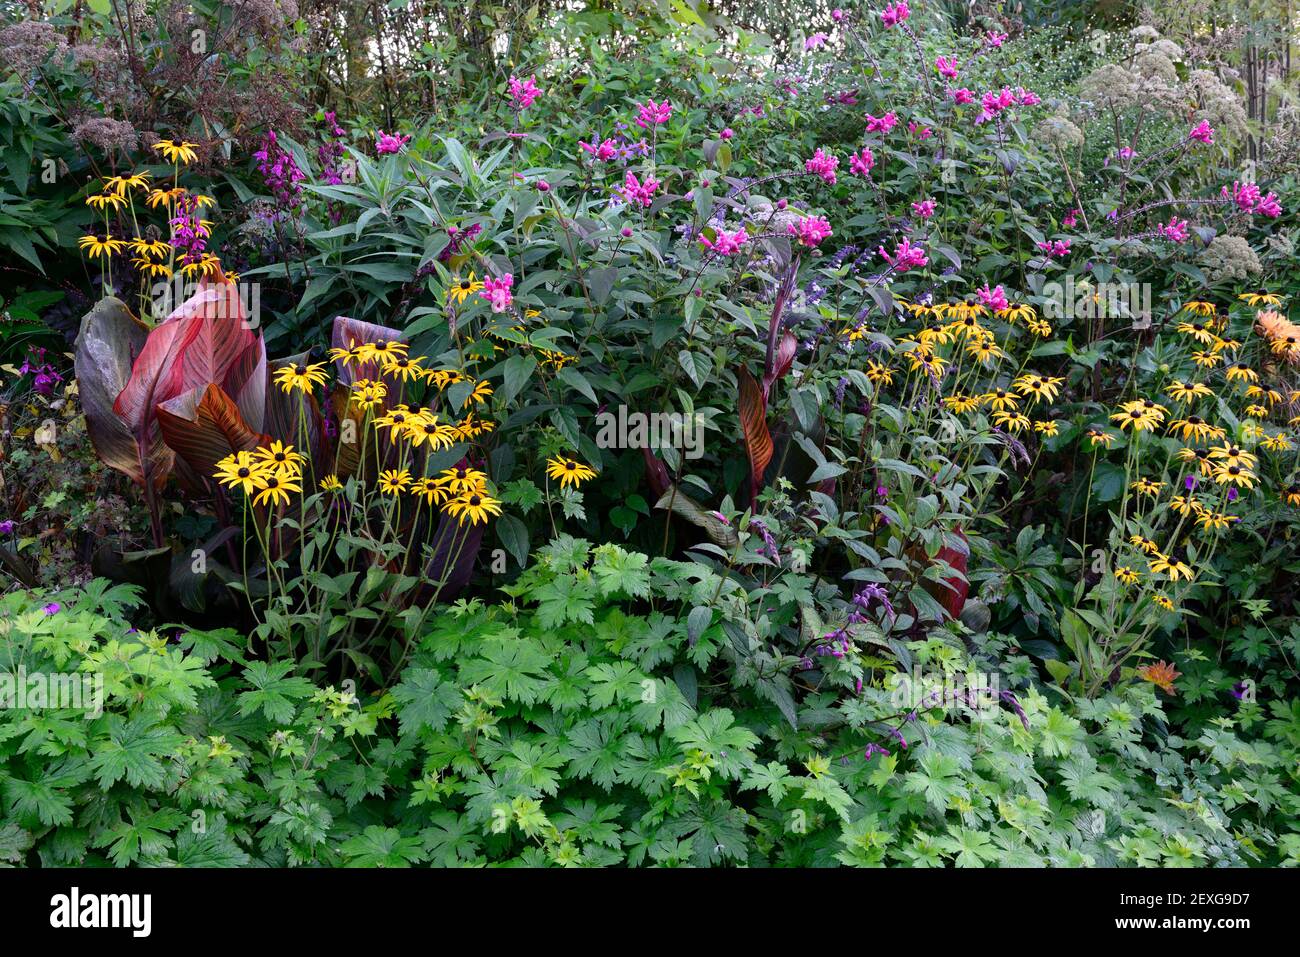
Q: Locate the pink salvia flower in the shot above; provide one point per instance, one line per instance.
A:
(824, 165)
(882, 124)
(861, 163)
(816, 41)
(1175, 229)
(1055, 249)
(651, 113)
(390, 142)
(905, 257)
(726, 244)
(1269, 206)
(995, 39)
(895, 14)
(1202, 132)
(1071, 218)
(604, 151)
(963, 96)
(995, 298)
(924, 209)
(947, 67)
(1245, 195)
(635, 191)
(524, 93)
(497, 291)
(810, 230)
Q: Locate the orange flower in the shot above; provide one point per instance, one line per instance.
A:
(1161, 674)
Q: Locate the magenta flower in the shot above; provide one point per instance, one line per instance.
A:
(1269, 206)
(604, 151)
(995, 103)
(1071, 218)
(524, 93)
(390, 142)
(1245, 195)
(727, 133)
(905, 257)
(963, 96)
(995, 298)
(837, 14)
(497, 292)
(922, 132)
(635, 191)
(1056, 249)
(824, 165)
(1202, 132)
(816, 41)
(651, 113)
(895, 14)
(995, 39)
(882, 124)
(924, 209)
(1175, 229)
(7, 527)
(861, 163)
(811, 230)
(53, 608)
(726, 244)
(947, 67)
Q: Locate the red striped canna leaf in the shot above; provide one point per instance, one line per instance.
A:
(753, 422)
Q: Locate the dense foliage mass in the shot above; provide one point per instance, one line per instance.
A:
(630, 437)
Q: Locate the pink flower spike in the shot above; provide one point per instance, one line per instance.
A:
(726, 244)
(651, 113)
(524, 93)
(1175, 229)
(905, 257)
(1071, 218)
(995, 298)
(947, 67)
(882, 124)
(995, 39)
(390, 142)
(823, 165)
(895, 14)
(861, 163)
(1202, 132)
(497, 291)
(816, 41)
(924, 209)
(963, 96)
(811, 230)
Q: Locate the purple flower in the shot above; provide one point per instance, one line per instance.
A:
(6, 527)
(52, 608)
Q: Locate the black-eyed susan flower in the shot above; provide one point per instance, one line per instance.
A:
(1144, 544)
(101, 201)
(1100, 437)
(1206, 360)
(1277, 442)
(1016, 313)
(1199, 307)
(1291, 494)
(430, 490)
(442, 378)
(1000, 400)
(1252, 431)
(1239, 371)
(1261, 298)
(984, 351)
(350, 355)
(152, 248)
(1234, 475)
(462, 479)
(240, 470)
(331, 483)
(368, 396)
(301, 376)
(1211, 521)
(275, 488)
(120, 184)
(95, 247)
(1134, 416)
(961, 403)
(1202, 332)
(472, 426)
(1163, 602)
(1181, 391)
(1162, 564)
(403, 367)
(1258, 411)
(394, 481)
(1039, 327)
(461, 289)
(177, 151)
(1186, 505)
(438, 435)
(1194, 427)
(568, 471)
(164, 197)
(1126, 575)
(474, 506)
(1234, 455)
(1039, 386)
(966, 309)
(383, 350)
(1048, 429)
(1011, 421)
(150, 269)
(398, 420)
(481, 392)
(878, 373)
(280, 457)
(1147, 487)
